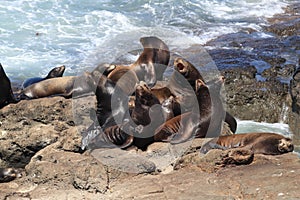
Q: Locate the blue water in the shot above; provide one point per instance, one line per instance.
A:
(39, 35)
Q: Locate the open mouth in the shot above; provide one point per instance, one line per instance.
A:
(180, 66)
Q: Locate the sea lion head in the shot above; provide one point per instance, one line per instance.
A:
(216, 85)
(56, 72)
(285, 145)
(104, 69)
(187, 69)
(144, 96)
(199, 85)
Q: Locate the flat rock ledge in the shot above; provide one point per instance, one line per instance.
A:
(42, 136)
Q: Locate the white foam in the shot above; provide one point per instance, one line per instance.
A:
(246, 126)
(79, 34)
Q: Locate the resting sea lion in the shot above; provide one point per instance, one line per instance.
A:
(55, 72)
(6, 94)
(150, 65)
(259, 143)
(63, 86)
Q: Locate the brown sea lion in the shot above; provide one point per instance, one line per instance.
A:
(112, 137)
(55, 72)
(56, 86)
(141, 116)
(259, 143)
(144, 99)
(67, 86)
(6, 94)
(150, 65)
(162, 93)
(231, 121)
(112, 101)
(207, 120)
(9, 174)
(190, 124)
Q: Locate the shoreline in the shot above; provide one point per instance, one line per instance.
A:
(43, 136)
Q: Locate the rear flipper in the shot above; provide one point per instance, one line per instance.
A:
(211, 144)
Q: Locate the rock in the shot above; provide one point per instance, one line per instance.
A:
(215, 159)
(124, 161)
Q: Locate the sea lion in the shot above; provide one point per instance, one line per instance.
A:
(231, 121)
(9, 174)
(55, 86)
(115, 136)
(259, 143)
(147, 115)
(66, 86)
(190, 124)
(294, 90)
(162, 93)
(144, 99)
(150, 65)
(196, 123)
(112, 101)
(55, 72)
(6, 94)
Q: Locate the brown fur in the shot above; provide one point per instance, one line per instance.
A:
(150, 65)
(6, 94)
(54, 86)
(188, 70)
(263, 143)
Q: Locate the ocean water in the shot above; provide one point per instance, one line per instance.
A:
(39, 35)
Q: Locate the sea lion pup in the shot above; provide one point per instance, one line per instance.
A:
(196, 123)
(144, 99)
(150, 65)
(55, 72)
(259, 143)
(9, 174)
(6, 94)
(147, 115)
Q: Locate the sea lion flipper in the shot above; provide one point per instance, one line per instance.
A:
(211, 144)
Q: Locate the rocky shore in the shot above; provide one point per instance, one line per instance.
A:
(42, 136)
